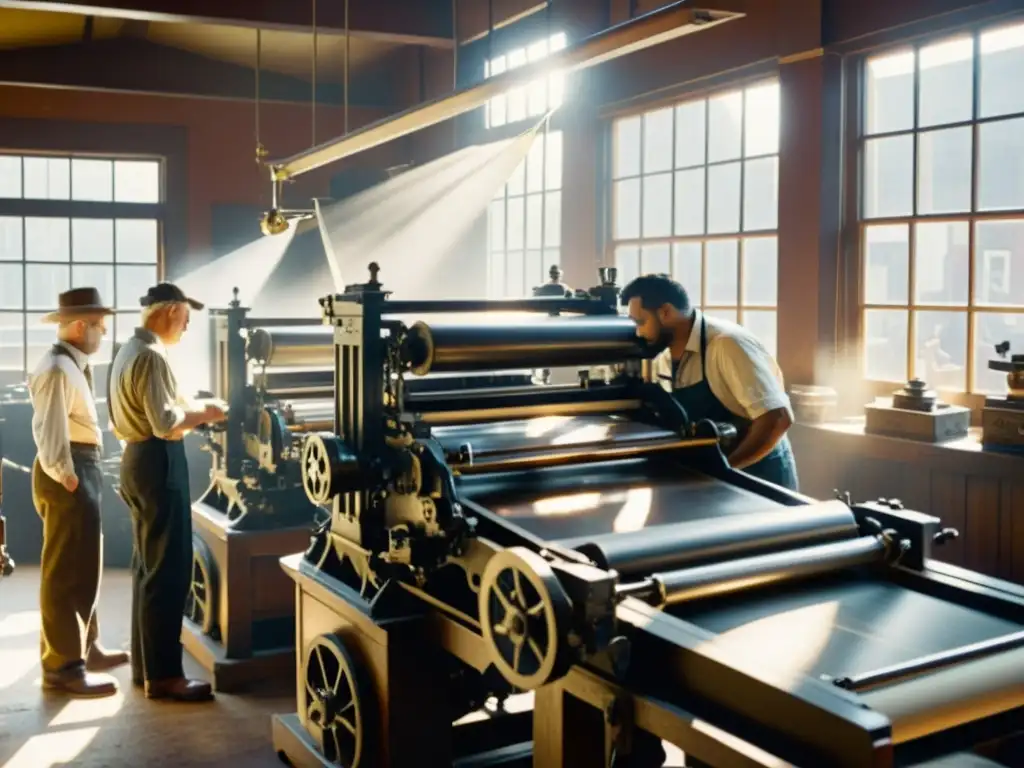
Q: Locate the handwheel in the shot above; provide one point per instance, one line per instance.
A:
(201, 603)
(316, 470)
(524, 614)
(336, 702)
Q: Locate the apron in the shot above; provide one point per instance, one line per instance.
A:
(778, 467)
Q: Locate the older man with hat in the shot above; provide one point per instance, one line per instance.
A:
(150, 415)
(67, 487)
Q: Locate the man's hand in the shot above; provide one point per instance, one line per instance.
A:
(70, 484)
(214, 414)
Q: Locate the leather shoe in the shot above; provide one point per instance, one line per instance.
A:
(179, 689)
(79, 683)
(100, 659)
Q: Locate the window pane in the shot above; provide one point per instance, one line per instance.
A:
(12, 341)
(132, 284)
(889, 93)
(728, 315)
(517, 181)
(497, 111)
(724, 198)
(690, 134)
(537, 97)
(10, 238)
(626, 199)
(689, 194)
(552, 257)
(760, 271)
(47, 178)
(761, 194)
(100, 277)
(656, 259)
(944, 171)
(889, 177)
(763, 324)
(657, 205)
(999, 263)
(516, 111)
(534, 221)
(516, 227)
(40, 337)
(887, 264)
(92, 180)
(125, 324)
(496, 225)
(627, 260)
(722, 266)
(885, 344)
(137, 181)
(535, 166)
(12, 279)
(941, 342)
(1001, 60)
(496, 275)
(43, 284)
(552, 219)
(515, 285)
(553, 160)
(686, 269)
(725, 121)
(534, 271)
(92, 240)
(10, 176)
(992, 328)
(1000, 160)
(761, 120)
(941, 263)
(946, 82)
(47, 239)
(627, 147)
(658, 138)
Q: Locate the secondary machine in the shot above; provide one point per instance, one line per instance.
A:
(587, 543)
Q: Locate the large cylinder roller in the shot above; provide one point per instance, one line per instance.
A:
(550, 343)
(291, 348)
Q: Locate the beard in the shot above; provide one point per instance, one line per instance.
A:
(661, 341)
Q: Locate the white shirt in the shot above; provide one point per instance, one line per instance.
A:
(741, 373)
(64, 410)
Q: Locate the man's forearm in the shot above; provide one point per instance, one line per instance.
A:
(764, 434)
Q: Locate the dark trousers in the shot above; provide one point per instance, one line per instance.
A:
(154, 485)
(71, 560)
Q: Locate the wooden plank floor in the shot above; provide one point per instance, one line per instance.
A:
(40, 730)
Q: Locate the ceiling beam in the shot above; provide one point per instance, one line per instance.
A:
(412, 22)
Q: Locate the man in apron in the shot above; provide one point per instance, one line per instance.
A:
(151, 417)
(67, 490)
(719, 371)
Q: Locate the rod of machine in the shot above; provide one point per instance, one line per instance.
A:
(301, 393)
(290, 349)
(554, 398)
(548, 305)
(312, 426)
(653, 28)
(688, 584)
(722, 537)
(274, 382)
(279, 322)
(548, 343)
(925, 664)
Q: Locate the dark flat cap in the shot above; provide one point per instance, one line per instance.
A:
(168, 292)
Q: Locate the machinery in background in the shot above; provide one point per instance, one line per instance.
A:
(1002, 420)
(917, 413)
(588, 544)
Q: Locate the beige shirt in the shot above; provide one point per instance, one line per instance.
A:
(144, 398)
(64, 410)
(741, 373)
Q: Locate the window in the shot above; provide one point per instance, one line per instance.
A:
(942, 210)
(72, 222)
(524, 221)
(695, 196)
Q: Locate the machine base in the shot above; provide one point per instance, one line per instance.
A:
(231, 675)
(295, 747)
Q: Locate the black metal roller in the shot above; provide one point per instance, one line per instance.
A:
(201, 602)
(328, 468)
(336, 702)
(525, 616)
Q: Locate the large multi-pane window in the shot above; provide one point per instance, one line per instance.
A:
(942, 209)
(72, 222)
(524, 220)
(695, 196)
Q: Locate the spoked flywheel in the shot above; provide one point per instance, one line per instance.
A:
(201, 602)
(524, 614)
(336, 702)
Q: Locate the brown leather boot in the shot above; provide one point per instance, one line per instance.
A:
(179, 689)
(79, 683)
(100, 659)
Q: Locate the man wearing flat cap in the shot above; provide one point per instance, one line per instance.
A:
(67, 487)
(150, 415)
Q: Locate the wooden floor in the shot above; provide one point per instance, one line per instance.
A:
(40, 730)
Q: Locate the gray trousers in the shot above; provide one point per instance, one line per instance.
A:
(71, 561)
